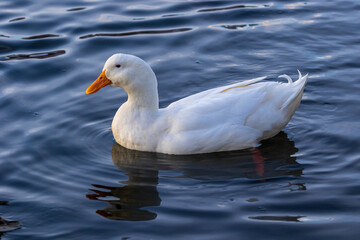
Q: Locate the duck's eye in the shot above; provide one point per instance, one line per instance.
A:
(118, 65)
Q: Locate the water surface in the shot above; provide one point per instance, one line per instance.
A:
(64, 178)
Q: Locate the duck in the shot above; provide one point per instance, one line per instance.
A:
(226, 118)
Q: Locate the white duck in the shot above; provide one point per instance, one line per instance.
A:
(231, 117)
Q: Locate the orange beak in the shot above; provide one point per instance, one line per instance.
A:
(100, 82)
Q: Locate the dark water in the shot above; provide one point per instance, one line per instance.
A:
(64, 178)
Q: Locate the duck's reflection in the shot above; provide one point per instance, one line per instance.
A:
(139, 191)
(272, 159)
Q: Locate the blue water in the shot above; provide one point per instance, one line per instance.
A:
(64, 178)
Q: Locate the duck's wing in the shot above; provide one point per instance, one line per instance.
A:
(208, 93)
(231, 117)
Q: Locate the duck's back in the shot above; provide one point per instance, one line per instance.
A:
(228, 118)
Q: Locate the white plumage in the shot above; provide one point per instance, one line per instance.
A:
(226, 118)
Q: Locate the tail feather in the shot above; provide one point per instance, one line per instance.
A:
(287, 77)
(295, 98)
(289, 107)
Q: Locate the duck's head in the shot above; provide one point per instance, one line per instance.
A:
(126, 71)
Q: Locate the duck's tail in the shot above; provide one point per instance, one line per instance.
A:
(293, 102)
(292, 93)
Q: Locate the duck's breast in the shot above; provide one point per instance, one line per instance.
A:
(136, 129)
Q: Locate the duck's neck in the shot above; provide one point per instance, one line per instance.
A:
(144, 97)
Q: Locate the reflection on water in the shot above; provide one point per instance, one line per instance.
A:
(278, 218)
(75, 9)
(139, 191)
(7, 226)
(39, 55)
(123, 34)
(271, 160)
(233, 7)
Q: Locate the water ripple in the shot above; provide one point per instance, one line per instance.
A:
(239, 26)
(136, 33)
(40, 55)
(96, 137)
(278, 218)
(42, 36)
(17, 19)
(232, 7)
(75, 9)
